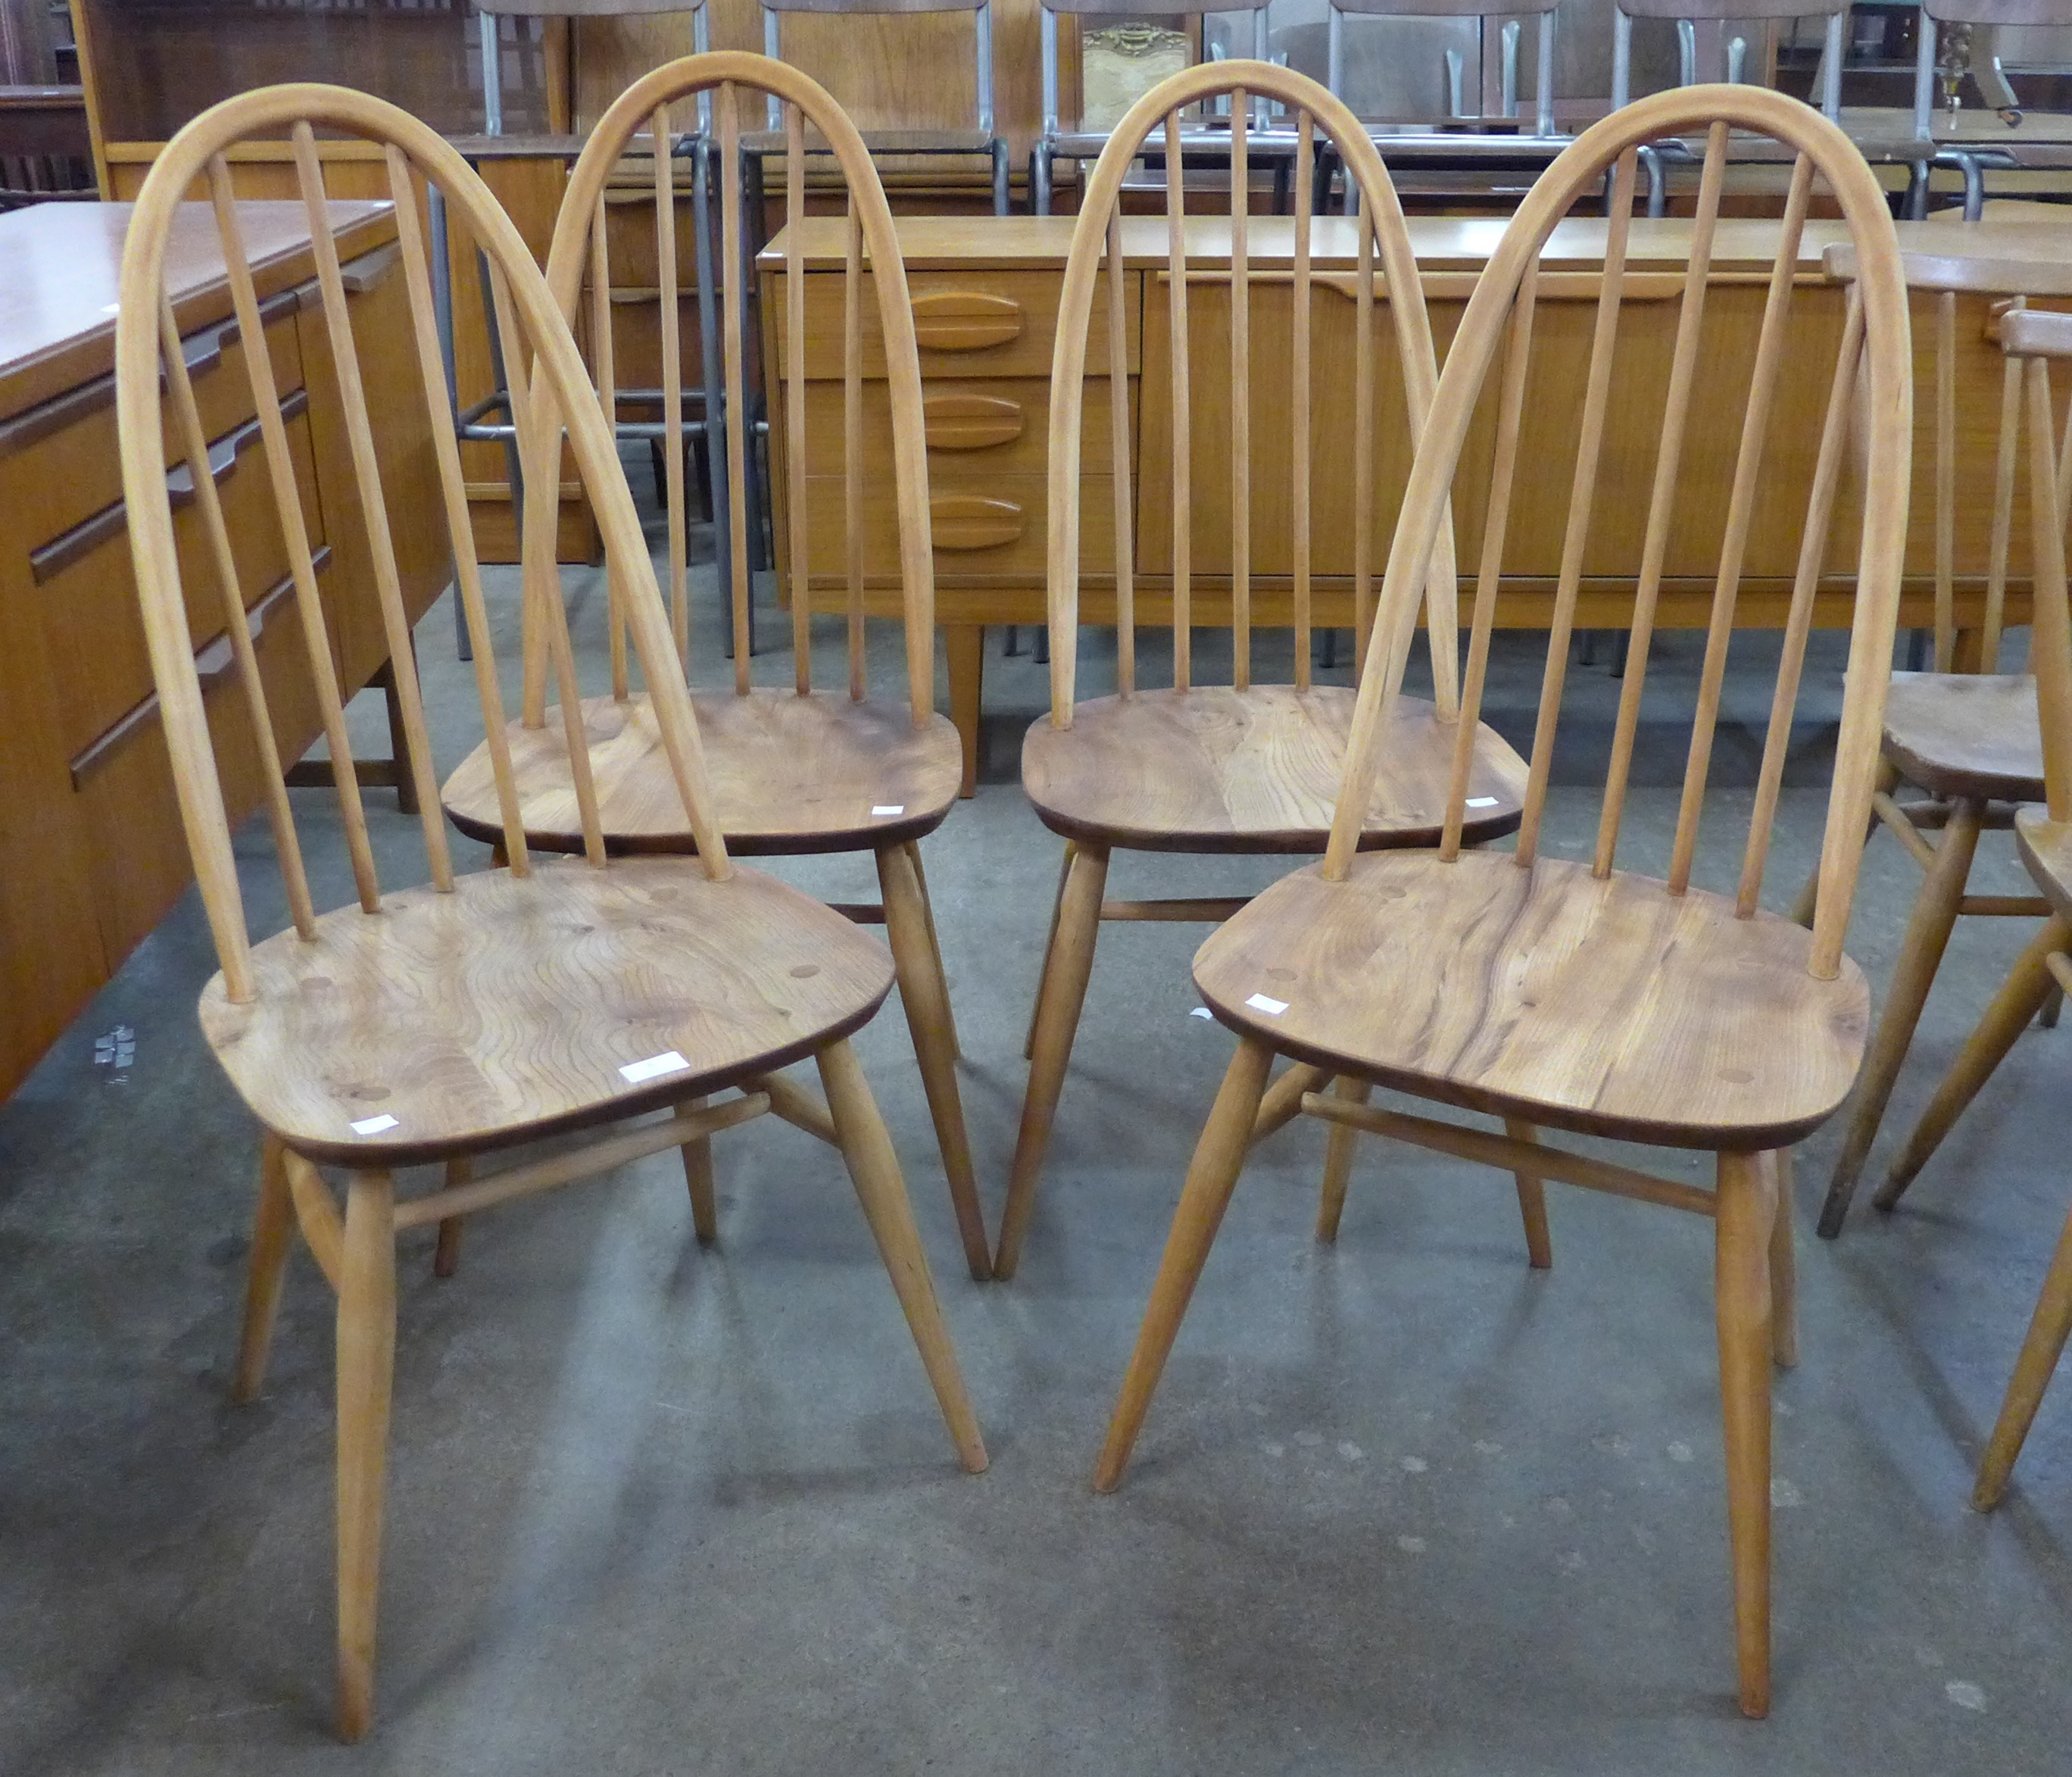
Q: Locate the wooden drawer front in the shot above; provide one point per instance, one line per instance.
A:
(124, 782)
(996, 526)
(629, 235)
(88, 593)
(78, 470)
(968, 324)
(973, 428)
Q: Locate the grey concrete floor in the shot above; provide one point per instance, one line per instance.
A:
(1400, 1504)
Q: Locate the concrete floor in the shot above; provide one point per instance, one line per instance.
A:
(1400, 1505)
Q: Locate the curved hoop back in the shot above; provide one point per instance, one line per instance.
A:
(582, 252)
(1099, 232)
(1875, 331)
(148, 344)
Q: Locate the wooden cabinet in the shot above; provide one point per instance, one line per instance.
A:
(89, 826)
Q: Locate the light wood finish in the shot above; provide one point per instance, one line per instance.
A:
(1201, 768)
(1566, 995)
(798, 770)
(1969, 739)
(481, 1011)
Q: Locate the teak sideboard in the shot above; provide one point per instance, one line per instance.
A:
(89, 832)
(986, 294)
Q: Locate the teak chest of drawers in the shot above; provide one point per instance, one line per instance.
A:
(90, 834)
(985, 292)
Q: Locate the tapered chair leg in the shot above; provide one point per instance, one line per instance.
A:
(273, 1233)
(1339, 1160)
(1531, 1202)
(1283, 1102)
(1920, 955)
(913, 850)
(1783, 1268)
(1058, 999)
(366, 1368)
(1803, 908)
(925, 996)
(873, 1169)
(1212, 1177)
(446, 1256)
(2041, 1350)
(1050, 950)
(1747, 1203)
(2006, 1017)
(698, 1178)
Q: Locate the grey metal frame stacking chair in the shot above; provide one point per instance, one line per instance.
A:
(1480, 10)
(1970, 159)
(1054, 143)
(984, 138)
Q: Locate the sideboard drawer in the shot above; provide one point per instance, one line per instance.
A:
(993, 526)
(975, 428)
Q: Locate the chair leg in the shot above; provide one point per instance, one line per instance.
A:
(1920, 955)
(272, 1233)
(698, 1176)
(1339, 1160)
(1532, 1200)
(913, 850)
(2033, 1370)
(1783, 1269)
(875, 1171)
(1050, 950)
(1747, 1208)
(1058, 1001)
(2053, 1003)
(446, 1256)
(366, 1367)
(2006, 1017)
(1212, 1177)
(926, 997)
(1809, 896)
(399, 740)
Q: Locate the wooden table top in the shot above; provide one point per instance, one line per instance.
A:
(1441, 243)
(63, 265)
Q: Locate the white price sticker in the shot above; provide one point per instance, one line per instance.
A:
(654, 1067)
(1262, 1002)
(373, 1125)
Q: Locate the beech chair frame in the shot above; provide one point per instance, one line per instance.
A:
(297, 991)
(1304, 712)
(1502, 1053)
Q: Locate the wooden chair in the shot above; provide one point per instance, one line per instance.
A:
(1968, 737)
(1573, 995)
(435, 1025)
(2044, 835)
(1244, 768)
(795, 770)
(2030, 337)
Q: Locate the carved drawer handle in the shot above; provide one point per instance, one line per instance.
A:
(971, 521)
(965, 320)
(970, 422)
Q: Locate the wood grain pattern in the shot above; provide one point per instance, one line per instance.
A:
(789, 774)
(507, 1008)
(1966, 734)
(1596, 1005)
(2046, 850)
(1214, 769)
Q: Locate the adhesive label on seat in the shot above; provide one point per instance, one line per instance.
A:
(654, 1067)
(1262, 1002)
(373, 1125)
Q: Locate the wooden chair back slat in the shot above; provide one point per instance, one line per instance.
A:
(551, 392)
(670, 283)
(193, 445)
(1662, 494)
(1496, 525)
(1298, 349)
(1740, 512)
(810, 122)
(1240, 383)
(1119, 435)
(453, 492)
(1097, 236)
(1886, 428)
(795, 398)
(1067, 638)
(1582, 496)
(373, 506)
(604, 356)
(853, 443)
(1813, 550)
(294, 528)
(1363, 439)
(1946, 481)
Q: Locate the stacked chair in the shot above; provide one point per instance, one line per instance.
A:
(443, 1022)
